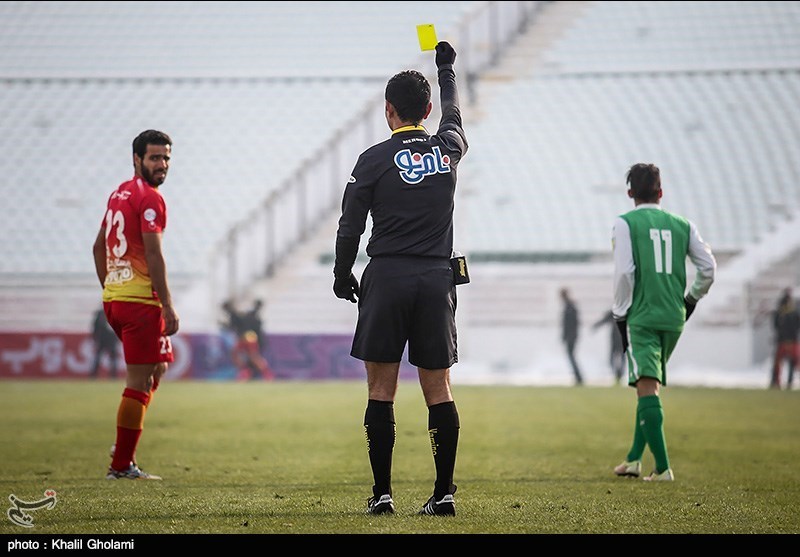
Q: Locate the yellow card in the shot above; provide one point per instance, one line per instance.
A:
(427, 36)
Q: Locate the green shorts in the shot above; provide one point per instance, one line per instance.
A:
(648, 353)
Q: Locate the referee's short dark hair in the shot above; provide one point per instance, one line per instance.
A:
(645, 182)
(149, 137)
(409, 93)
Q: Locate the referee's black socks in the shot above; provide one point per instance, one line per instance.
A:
(379, 429)
(443, 426)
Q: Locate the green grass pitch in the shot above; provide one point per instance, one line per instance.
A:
(290, 458)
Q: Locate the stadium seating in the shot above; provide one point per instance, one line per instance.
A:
(247, 90)
(250, 90)
(556, 180)
(215, 39)
(234, 140)
(678, 36)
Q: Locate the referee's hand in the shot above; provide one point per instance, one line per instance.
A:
(445, 54)
(346, 288)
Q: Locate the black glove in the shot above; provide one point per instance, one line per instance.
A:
(622, 325)
(444, 54)
(346, 288)
(690, 304)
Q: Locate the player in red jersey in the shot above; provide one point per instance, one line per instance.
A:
(136, 299)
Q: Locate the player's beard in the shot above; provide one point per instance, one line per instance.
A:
(151, 179)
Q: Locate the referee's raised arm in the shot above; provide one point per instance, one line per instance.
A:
(451, 131)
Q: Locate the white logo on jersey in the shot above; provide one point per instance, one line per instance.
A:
(415, 166)
(122, 195)
(150, 215)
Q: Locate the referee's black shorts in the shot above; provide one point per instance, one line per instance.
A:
(407, 299)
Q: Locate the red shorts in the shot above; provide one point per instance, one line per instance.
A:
(140, 328)
(787, 350)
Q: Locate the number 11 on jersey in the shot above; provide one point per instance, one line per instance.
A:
(663, 258)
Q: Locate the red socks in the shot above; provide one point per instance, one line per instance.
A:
(130, 422)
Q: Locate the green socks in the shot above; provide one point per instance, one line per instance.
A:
(639, 441)
(650, 420)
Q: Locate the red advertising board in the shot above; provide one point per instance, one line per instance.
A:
(197, 356)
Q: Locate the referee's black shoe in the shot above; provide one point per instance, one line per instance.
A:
(380, 505)
(446, 506)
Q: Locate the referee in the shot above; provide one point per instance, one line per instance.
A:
(408, 293)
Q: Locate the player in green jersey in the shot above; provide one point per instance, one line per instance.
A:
(651, 304)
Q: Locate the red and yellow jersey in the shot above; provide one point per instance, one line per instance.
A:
(133, 209)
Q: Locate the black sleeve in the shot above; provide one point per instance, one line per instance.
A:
(346, 253)
(450, 130)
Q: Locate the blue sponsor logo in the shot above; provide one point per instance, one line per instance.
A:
(415, 166)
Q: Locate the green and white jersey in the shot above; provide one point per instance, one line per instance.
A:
(650, 251)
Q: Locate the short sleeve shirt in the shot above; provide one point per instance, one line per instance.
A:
(133, 209)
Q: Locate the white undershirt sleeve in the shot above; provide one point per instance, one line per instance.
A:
(624, 269)
(704, 261)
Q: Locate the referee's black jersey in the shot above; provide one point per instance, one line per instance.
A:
(408, 183)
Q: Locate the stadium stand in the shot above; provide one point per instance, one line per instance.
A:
(705, 89)
(252, 91)
(567, 142)
(244, 109)
(239, 138)
(249, 91)
(213, 39)
(644, 37)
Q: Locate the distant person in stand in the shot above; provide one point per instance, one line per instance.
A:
(570, 323)
(249, 361)
(252, 320)
(786, 322)
(248, 341)
(616, 355)
(105, 343)
(233, 320)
